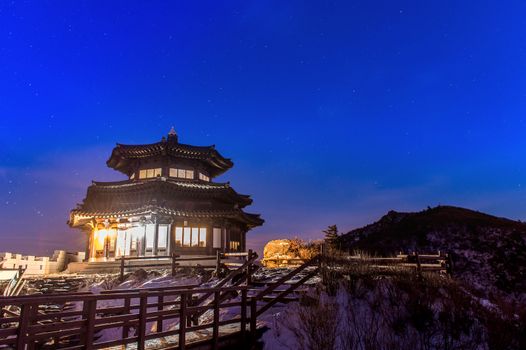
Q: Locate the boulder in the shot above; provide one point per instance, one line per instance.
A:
(277, 253)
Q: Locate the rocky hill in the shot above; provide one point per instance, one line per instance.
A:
(489, 252)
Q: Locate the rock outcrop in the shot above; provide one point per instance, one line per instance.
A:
(288, 252)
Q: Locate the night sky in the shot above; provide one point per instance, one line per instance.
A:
(333, 112)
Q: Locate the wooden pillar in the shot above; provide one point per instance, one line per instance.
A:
(172, 237)
(169, 240)
(227, 240)
(107, 245)
(88, 245)
(210, 239)
(155, 238)
(243, 239)
(143, 243)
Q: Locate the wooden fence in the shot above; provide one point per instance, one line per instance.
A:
(133, 314)
(439, 262)
(173, 261)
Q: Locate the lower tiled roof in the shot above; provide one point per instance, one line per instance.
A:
(79, 217)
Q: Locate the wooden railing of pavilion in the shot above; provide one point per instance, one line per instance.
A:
(133, 313)
(173, 261)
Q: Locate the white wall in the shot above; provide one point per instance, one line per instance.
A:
(40, 265)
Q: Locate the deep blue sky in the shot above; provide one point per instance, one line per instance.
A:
(333, 112)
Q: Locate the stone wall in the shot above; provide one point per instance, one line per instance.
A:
(42, 265)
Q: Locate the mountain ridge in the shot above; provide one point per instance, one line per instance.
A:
(489, 252)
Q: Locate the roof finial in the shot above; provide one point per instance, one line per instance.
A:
(172, 135)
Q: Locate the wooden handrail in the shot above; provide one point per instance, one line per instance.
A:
(174, 260)
(94, 317)
(169, 288)
(145, 257)
(287, 277)
(225, 280)
(286, 292)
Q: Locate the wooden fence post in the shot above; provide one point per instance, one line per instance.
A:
(321, 262)
(121, 278)
(249, 268)
(143, 310)
(253, 316)
(23, 323)
(174, 264)
(449, 264)
(218, 262)
(189, 302)
(125, 327)
(243, 313)
(160, 307)
(182, 322)
(90, 307)
(418, 266)
(215, 336)
(32, 318)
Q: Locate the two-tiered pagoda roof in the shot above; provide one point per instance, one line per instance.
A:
(178, 197)
(124, 157)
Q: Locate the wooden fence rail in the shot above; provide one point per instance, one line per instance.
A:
(138, 317)
(173, 261)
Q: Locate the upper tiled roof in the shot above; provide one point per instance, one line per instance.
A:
(122, 156)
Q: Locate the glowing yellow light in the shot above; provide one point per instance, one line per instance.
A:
(100, 236)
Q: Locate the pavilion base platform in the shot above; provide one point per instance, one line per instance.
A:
(114, 265)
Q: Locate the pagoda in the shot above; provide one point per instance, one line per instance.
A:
(168, 204)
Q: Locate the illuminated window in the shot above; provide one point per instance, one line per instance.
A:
(203, 177)
(234, 245)
(189, 236)
(216, 238)
(202, 237)
(149, 173)
(179, 236)
(136, 236)
(150, 234)
(121, 243)
(186, 237)
(195, 237)
(181, 173)
(162, 241)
